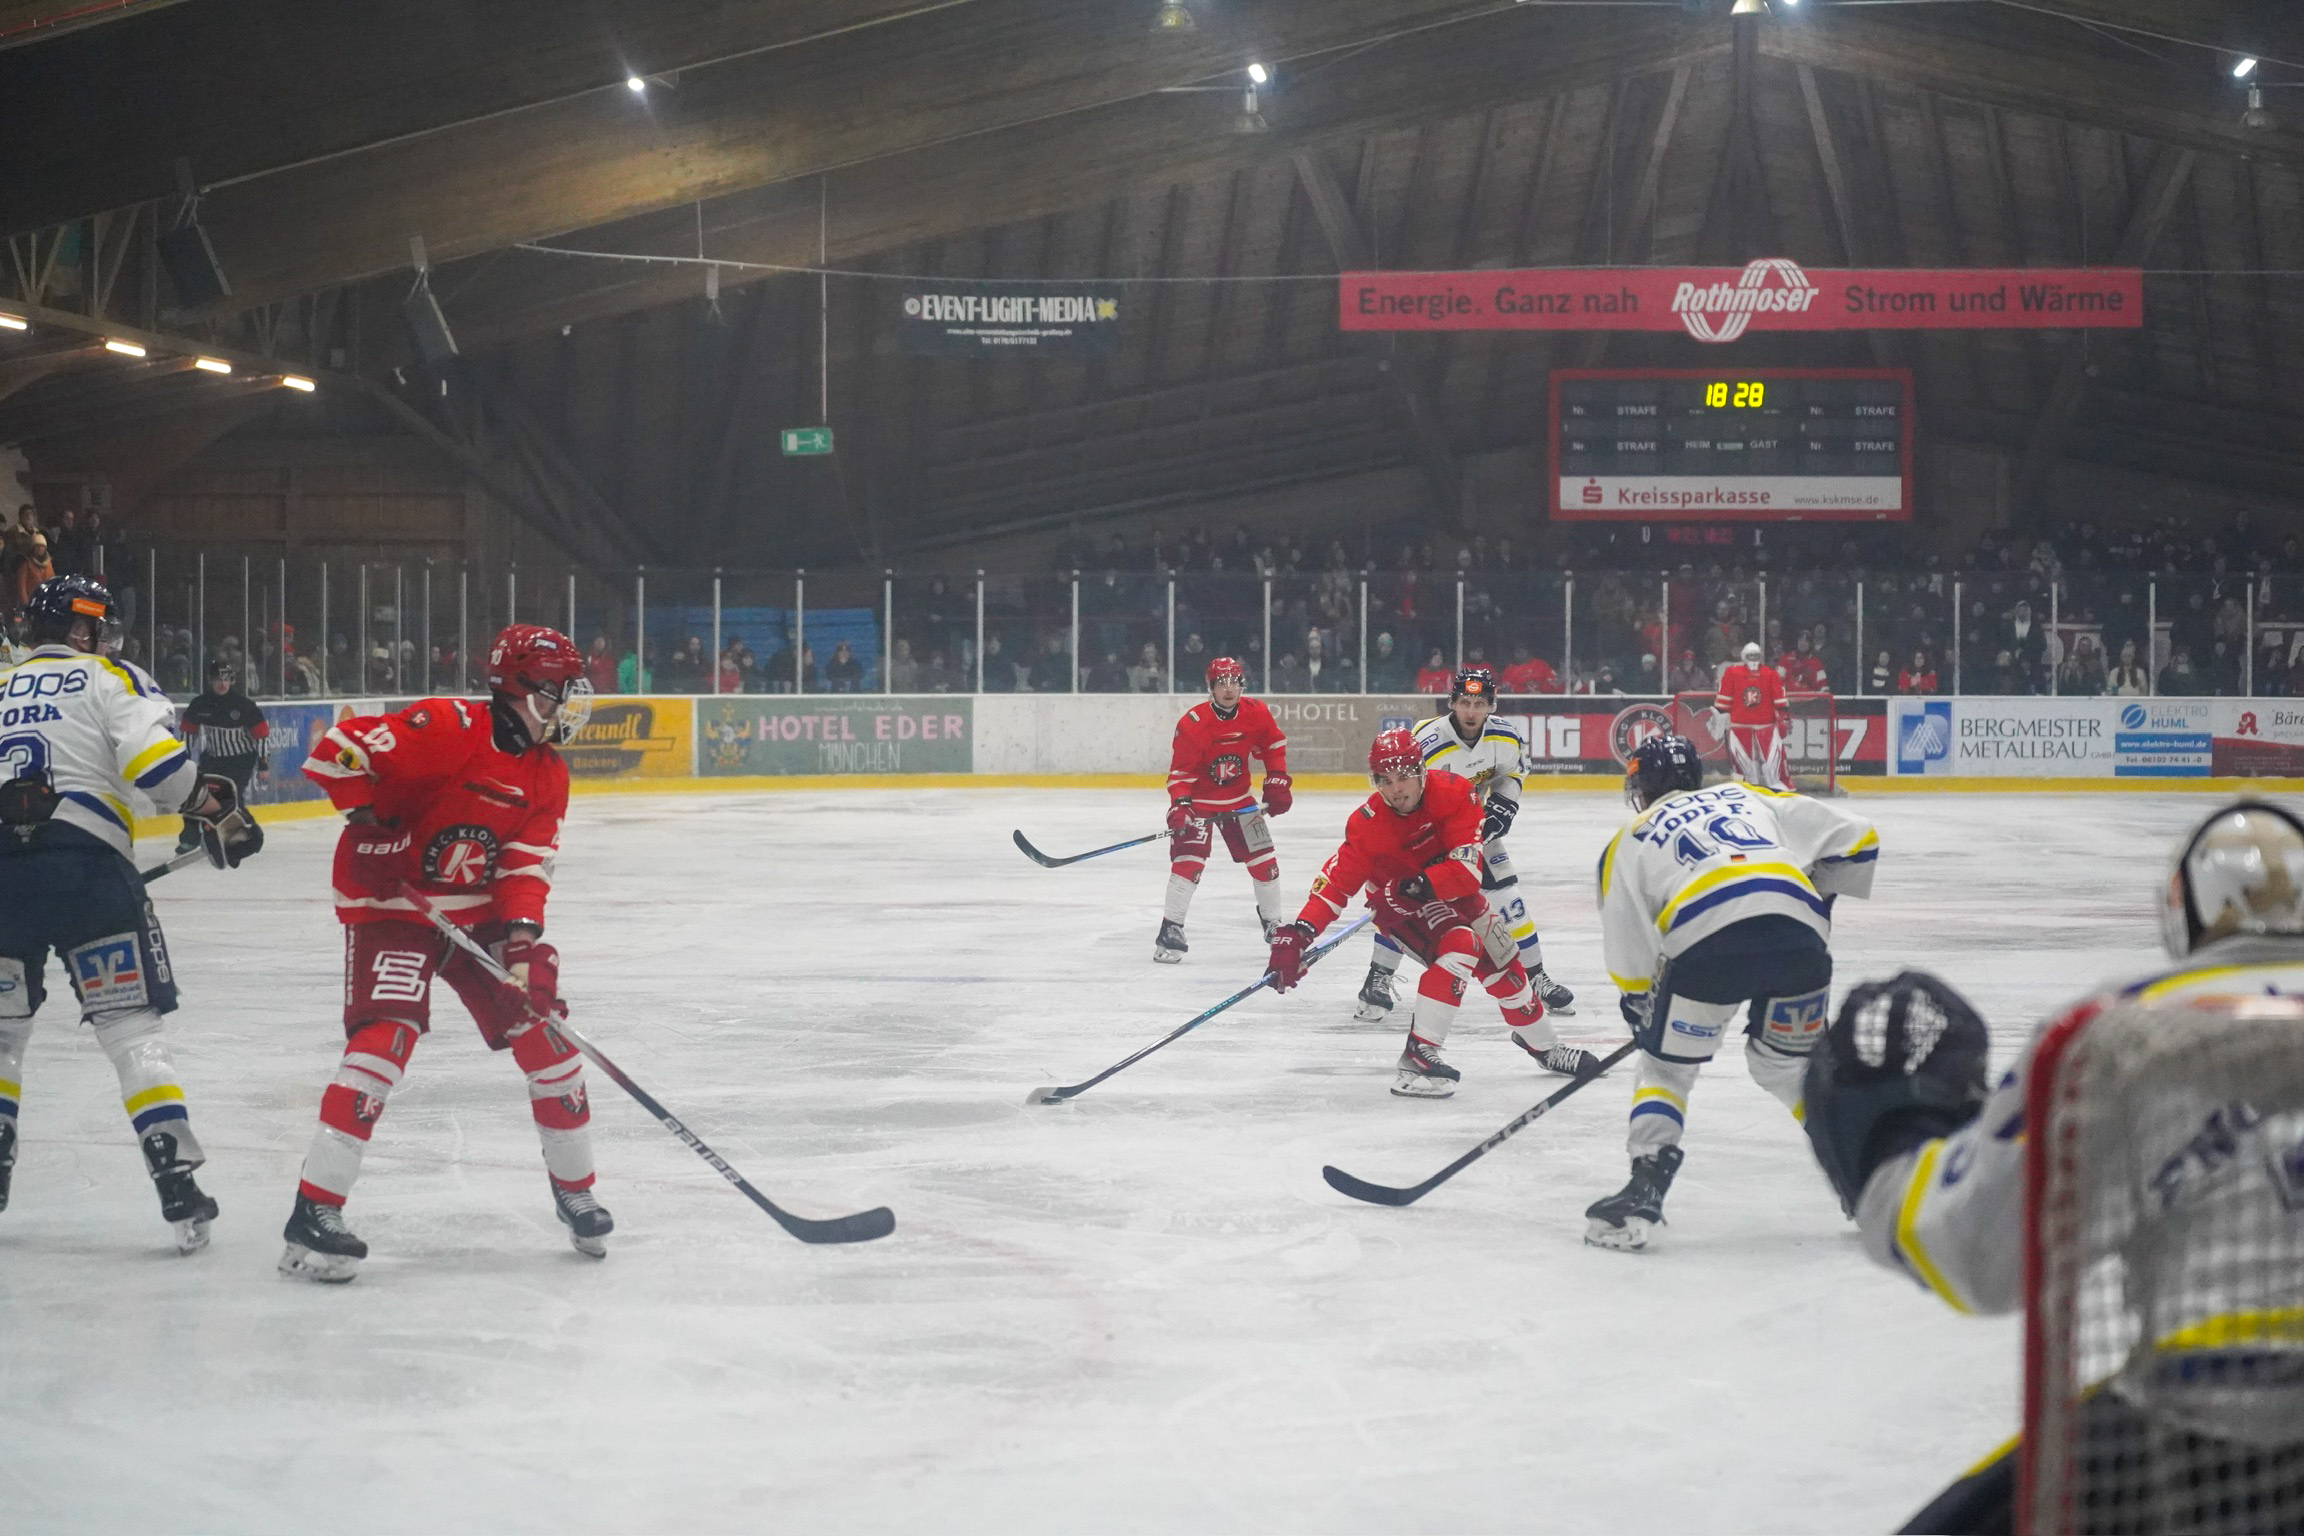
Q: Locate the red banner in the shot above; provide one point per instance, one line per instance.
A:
(1720, 304)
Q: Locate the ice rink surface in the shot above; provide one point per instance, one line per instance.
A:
(1142, 1311)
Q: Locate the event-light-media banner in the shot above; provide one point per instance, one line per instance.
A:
(1722, 304)
(1042, 317)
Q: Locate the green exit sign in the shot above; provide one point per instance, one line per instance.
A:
(806, 440)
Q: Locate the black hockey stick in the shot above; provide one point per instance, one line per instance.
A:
(195, 856)
(862, 1227)
(1385, 1194)
(1060, 1095)
(1048, 861)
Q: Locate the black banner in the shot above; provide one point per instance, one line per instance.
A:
(1032, 318)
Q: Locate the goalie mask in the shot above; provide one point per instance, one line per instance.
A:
(2241, 873)
(536, 685)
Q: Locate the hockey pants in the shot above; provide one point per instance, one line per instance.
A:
(1775, 968)
(1249, 839)
(1502, 884)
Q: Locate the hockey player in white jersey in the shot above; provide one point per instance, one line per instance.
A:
(1932, 1164)
(1472, 743)
(85, 744)
(1711, 900)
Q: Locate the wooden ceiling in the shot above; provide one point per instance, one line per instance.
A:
(1024, 137)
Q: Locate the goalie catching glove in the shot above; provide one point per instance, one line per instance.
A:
(227, 831)
(1903, 1064)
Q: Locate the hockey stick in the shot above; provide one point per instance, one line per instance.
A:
(1385, 1194)
(1047, 861)
(195, 856)
(1060, 1095)
(862, 1227)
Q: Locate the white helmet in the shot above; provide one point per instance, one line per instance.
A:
(1751, 653)
(2242, 872)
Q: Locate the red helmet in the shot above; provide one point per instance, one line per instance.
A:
(1227, 667)
(1394, 751)
(529, 661)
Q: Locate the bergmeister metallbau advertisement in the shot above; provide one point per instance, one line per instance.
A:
(2096, 738)
(1040, 317)
(756, 735)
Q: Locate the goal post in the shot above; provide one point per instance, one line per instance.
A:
(2164, 1270)
(1811, 738)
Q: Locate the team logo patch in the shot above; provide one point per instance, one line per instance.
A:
(1228, 769)
(109, 974)
(1634, 726)
(461, 855)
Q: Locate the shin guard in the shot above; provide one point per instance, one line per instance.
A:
(149, 1091)
(374, 1060)
(556, 1097)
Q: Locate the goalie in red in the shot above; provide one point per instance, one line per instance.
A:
(1415, 847)
(1750, 712)
(1209, 781)
(463, 803)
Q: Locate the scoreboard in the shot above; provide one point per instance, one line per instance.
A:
(1732, 445)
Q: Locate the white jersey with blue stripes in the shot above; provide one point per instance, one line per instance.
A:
(1695, 862)
(1495, 763)
(103, 732)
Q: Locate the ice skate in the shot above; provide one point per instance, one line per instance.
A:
(1624, 1220)
(1557, 998)
(1567, 1060)
(185, 1207)
(586, 1219)
(1376, 998)
(1423, 1075)
(320, 1246)
(1170, 948)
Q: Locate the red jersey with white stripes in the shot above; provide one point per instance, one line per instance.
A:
(1209, 764)
(1439, 839)
(1751, 695)
(483, 824)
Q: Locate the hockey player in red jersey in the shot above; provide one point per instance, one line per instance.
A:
(464, 803)
(1208, 779)
(1415, 847)
(1750, 704)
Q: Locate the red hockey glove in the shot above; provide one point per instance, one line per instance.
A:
(374, 858)
(1291, 944)
(535, 968)
(1279, 794)
(1180, 817)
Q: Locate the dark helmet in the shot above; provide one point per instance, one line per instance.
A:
(1661, 765)
(60, 602)
(222, 670)
(1473, 683)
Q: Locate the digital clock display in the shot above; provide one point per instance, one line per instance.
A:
(1764, 445)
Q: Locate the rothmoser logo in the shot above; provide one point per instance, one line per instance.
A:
(1723, 312)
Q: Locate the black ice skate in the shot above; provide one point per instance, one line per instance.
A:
(1423, 1075)
(1375, 996)
(320, 1246)
(1557, 998)
(1170, 948)
(1566, 1060)
(7, 1160)
(1624, 1220)
(182, 1204)
(586, 1219)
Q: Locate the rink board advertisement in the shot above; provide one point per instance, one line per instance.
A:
(2096, 738)
(635, 738)
(1598, 735)
(761, 735)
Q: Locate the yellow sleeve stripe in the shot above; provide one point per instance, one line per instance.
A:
(1628, 985)
(2183, 980)
(166, 747)
(2278, 1326)
(1908, 1230)
(166, 1093)
(1870, 839)
(1608, 869)
(1728, 875)
(9, 1090)
(127, 678)
(2006, 1450)
(1666, 1094)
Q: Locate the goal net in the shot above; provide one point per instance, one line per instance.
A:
(1811, 738)
(2164, 1271)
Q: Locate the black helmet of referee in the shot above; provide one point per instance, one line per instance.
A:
(61, 602)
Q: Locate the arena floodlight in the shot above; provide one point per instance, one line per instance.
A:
(2243, 69)
(1171, 19)
(124, 348)
(297, 382)
(1259, 74)
(10, 322)
(211, 365)
(635, 84)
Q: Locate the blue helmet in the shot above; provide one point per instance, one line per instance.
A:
(63, 601)
(1661, 765)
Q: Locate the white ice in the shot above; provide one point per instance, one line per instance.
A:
(1143, 1311)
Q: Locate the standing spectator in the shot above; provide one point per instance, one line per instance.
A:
(1803, 669)
(2127, 679)
(1529, 673)
(1690, 675)
(1883, 676)
(843, 673)
(1052, 668)
(1721, 635)
(1147, 676)
(1387, 668)
(32, 567)
(600, 666)
(728, 672)
(2178, 680)
(903, 670)
(70, 549)
(1918, 676)
(632, 677)
(2272, 674)
(2026, 640)
(1437, 677)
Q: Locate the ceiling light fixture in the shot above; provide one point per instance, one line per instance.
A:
(635, 84)
(14, 323)
(211, 365)
(298, 382)
(124, 348)
(2244, 69)
(1172, 18)
(1259, 74)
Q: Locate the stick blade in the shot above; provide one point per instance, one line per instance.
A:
(1047, 1096)
(1032, 853)
(863, 1227)
(1360, 1189)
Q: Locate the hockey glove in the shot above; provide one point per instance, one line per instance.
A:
(1291, 946)
(1279, 794)
(535, 968)
(1903, 1064)
(229, 833)
(1180, 817)
(373, 858)
(1718, 720)
(1498, 821)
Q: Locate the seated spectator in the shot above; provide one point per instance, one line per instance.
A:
(1106, 676)
(1918, 676)
(1603, 682)
(2082, 674)
(688, 670)
(1803, 669)
(1387, 668)
(1437, 677)
(2127, 679)
(843, 673)
(1883, 676)
(1650, 681)
(2272, 671)
(2178, 679)
(599, 666)
(1529, 673)
(1288, 675)
(631, 677)
(941, 677)
(999, 669)
(903, 671)
(1691, 676)
(1148, 675)
(728, 677)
